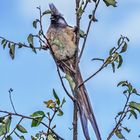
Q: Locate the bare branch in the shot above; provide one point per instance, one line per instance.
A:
(88, 28)
(103, 66)
(11, 101)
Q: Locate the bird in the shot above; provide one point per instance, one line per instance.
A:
(61, 39)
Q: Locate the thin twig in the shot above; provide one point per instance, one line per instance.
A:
(88, 28)
(11, 101)
(24, 45)
(50, 120)
(122, 116)
(30, 118)
(102, 67)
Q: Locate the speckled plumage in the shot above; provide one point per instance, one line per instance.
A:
(62, 41)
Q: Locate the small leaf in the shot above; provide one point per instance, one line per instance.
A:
(50, 137)
(82, 33)
(33, 138)
(60, 112)
(8, 123)
(124, 48)
(3, 41)
(20, 45)
(36, 122)
(4, 44)
(2, 119)
(46, 12)
(130, 88)
(135, 105)
(63, 101)
(120, 41)
(2, 129)
(112, 51)
(30, 39)
(134, 90)
(38, 114)
(50, 104)
(110, 2)
(35, 23)
(56, 97)
(125, 91)
(119, 134)
(126, 129)
(133, 113)
(22, 138)
(120, 60)
(121, 83)
(21, 128)
(113, 67)
(9, 138)
(54, 126)
(12, 51)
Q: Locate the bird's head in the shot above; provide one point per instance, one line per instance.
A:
(56, 17)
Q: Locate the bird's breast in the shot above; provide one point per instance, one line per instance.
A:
(62, 41)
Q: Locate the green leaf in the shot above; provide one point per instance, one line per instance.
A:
(124, 48)
(82, 33)
(120, 61)
(35, 23)
(112, 51)
(133, 113)
(63, 101)
(46, 12)
(134, 91)
(50, 104)
(56, 97)
(54, 126)
(33, 138)
(2, 129)
(2, 119)
(9, 138)
(126, 91)
(113, 67)
(121, 83)
(60, 112)
(119, 134)
(126, 129)
(38, 114)
(110, 2)
(22, 138)
(30, 39)
(4, 43)
(21, 128)
(19, 45)
(36, 122)
(135, 106)
(50, 137)
(8, 123)
(12, 51)
(120, 41)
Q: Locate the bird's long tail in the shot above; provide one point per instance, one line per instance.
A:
(85, 109)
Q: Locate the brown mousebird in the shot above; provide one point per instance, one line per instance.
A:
(61, 38)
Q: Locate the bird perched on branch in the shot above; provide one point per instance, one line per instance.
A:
(62, 43)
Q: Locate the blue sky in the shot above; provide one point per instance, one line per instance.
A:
(33, 76)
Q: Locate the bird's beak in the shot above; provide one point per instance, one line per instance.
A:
(54, 9)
